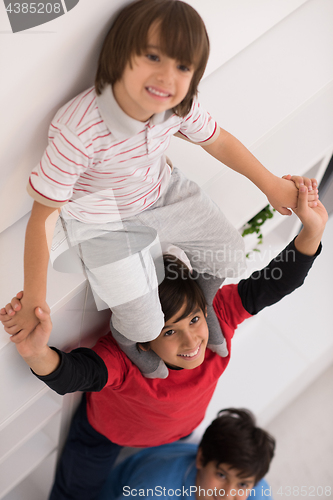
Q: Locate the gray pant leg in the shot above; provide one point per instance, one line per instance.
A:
(150, 365)
(124, 267)
(209, 285)
(186, 217)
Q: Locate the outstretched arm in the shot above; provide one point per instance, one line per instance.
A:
(34, 349)
(281, 194)
(314, 222)
(79, 370)
(38, 240)
(288, 270)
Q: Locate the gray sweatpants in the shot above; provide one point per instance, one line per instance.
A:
(123, 260)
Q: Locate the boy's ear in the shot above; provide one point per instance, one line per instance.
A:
(198, 460)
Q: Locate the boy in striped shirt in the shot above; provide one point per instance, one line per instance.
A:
(121, 200)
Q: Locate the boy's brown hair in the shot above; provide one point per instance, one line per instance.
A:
(182, 34)
(178, 288)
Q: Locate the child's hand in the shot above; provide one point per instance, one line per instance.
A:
(310, 184)
(18, 318)
(35, 342)
(283, 196)
(33, 348)
(7, 313)
(313, 219)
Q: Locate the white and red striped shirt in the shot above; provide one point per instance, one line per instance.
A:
(103, 165)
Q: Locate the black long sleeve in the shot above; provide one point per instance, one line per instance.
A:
(282, 276)
(79, 370)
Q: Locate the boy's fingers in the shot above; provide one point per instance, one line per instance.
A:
(18, 337)
(298, 180)
(11, 321)
(302, 197)
(40, 313)
(308, 183)
(12, 330)
(284, 211)
(16, 304)
(5, 319)
(9, 310)
(313, 195)
(311, 184)
(44, 318)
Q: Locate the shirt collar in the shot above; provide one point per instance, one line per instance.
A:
(118, 122)
(174, 367)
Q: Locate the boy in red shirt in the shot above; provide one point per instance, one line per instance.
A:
(121, 407)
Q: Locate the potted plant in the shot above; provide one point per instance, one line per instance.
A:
(253, 226)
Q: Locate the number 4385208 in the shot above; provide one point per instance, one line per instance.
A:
(305, 491)
(33, 8)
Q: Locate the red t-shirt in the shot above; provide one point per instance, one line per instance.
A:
(132, 410)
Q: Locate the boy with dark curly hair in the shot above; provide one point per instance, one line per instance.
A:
(230, 462)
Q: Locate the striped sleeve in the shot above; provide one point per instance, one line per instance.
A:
(198, 126)
(51, 182)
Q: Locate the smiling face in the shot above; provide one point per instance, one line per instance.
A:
(152, 82)
(225, 481)
(182, 342)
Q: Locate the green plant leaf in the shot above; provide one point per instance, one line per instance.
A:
(254, 225)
